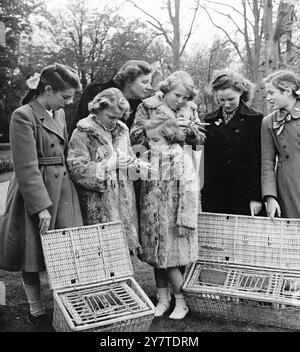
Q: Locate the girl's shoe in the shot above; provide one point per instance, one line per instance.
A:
(179, 312)
(41, 322)
(161, 309)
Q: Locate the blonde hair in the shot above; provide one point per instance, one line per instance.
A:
(168, 128)
(111, 97)
(175, 78)
(283, 80)
(224, 79)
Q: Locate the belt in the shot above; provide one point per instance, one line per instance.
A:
(52, 160)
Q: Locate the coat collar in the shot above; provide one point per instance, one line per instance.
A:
(90, 126)
(53, 124)
(243, 110)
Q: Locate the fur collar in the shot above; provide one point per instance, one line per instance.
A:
(90, 126)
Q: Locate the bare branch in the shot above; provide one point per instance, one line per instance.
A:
(234, 43)
(191, 27)
(159, 26)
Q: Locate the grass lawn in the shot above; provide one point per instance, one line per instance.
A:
(13, 315)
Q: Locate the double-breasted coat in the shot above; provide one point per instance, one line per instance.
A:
(280, 160)
(37, 184)
(232, 160)
(169, 209)
(104, 195)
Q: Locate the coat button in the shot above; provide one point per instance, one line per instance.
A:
(284, 146)
(56, 175)
(52, 145)
(65, 173)
(287, 156)
(61, 143)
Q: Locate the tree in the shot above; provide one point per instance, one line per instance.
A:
(172, 34)
(16, 17)
(256, 40)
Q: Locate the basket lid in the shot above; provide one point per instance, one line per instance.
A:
(87, 254)
(258, 241)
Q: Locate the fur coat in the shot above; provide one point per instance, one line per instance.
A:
(103, 196)
(169, 209)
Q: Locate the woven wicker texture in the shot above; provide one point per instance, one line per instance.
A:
(113, 307)
(252, 240)
(244, 292)
(86, 255)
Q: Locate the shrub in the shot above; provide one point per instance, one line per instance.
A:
(6, 165)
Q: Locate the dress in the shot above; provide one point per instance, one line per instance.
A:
(169, 209)
(104, 196)
(281, 181)
(37, 184)
(232, 156)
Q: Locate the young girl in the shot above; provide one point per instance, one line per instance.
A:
(40, 196)
(174, 99)
(280, 138)
(169, 209)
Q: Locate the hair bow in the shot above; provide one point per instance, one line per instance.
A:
(297, 92)
(33, 81)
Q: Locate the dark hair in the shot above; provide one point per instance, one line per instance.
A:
(169, 128)
(283, 80)
(223, 80)
(58, 76)
(175, 78)
(130, 71)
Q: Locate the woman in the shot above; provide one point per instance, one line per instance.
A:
(232, 150)
(133, 79)
(40, 195)
(98, 159)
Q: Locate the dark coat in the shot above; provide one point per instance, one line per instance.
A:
(34, 134)
(232, 156)
(88, 94)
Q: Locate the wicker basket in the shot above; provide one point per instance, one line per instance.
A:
(248, 269)
(90, 271)
(251, 240)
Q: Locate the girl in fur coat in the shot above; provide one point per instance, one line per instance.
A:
(169, 208)
(98, 159)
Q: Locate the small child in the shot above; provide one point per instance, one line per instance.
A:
(169, 209)
(280, 134)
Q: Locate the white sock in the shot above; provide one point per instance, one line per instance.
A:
(181, 308)
(163, 303)
(33, 293)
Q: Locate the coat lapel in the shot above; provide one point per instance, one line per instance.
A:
(54, 125)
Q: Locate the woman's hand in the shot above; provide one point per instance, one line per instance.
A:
(44, 223)
(255, 207)
(273, 207)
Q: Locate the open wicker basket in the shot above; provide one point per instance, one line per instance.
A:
(248, 269)
(90, 271)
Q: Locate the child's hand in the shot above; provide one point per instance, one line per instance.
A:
(273, 207)
(182, 122)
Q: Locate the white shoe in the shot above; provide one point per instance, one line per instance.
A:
(161, 309)
(179, 312)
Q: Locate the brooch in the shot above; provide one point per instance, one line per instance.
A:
(217, 123)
